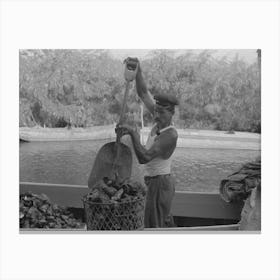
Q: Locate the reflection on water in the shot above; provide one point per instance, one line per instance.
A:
(71, 163)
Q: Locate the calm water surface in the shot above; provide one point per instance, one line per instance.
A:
(71, 163)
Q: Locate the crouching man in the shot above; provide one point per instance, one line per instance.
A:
(156, 154)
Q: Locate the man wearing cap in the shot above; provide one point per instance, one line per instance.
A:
(156, 154)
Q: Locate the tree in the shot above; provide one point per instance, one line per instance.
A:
(86, 87)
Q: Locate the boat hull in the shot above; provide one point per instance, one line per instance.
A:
(191, 210)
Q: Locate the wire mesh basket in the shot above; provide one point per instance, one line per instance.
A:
(127, 215)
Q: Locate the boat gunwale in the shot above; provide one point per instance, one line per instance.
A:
(86, 187)
(205, 205)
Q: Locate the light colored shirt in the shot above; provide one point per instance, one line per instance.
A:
(157, 166)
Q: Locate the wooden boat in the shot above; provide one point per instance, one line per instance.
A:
(192, 211)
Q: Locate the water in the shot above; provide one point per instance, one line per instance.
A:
(71, 163)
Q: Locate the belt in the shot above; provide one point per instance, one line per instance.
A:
(153, 177)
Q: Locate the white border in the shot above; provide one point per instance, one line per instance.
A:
(159, 24)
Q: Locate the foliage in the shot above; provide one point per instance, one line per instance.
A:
(85, 88)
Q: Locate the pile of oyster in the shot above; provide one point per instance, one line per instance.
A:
(110, 191)
(36, 211)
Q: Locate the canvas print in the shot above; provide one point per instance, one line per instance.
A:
(145, 140)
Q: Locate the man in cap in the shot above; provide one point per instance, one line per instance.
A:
(156, 154)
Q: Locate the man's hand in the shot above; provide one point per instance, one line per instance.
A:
(134, 60)
(131, 59)
(125, 129)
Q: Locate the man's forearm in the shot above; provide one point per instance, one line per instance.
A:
(140, 84)
(140, 151)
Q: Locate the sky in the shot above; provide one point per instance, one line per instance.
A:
(249, 55)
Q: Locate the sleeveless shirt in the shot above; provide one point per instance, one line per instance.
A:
(157, 166)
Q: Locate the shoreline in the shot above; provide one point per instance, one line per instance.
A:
(188, 138)
(110, 128)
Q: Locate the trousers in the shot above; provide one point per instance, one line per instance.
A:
(160, 193)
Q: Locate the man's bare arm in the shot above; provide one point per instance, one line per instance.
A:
(163, 146)
(143, 92)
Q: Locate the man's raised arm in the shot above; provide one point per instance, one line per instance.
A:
(143, 92)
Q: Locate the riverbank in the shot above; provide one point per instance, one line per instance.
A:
(32, 134)
(188, 138)
(214, 139)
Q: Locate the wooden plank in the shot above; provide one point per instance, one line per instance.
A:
(204, 205)
(176, 229)
(202, 228)
(185, 204)
(46, 230)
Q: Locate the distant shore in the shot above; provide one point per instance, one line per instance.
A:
(187, 137)
(31, 134)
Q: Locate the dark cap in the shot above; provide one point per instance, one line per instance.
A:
(164, 99)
